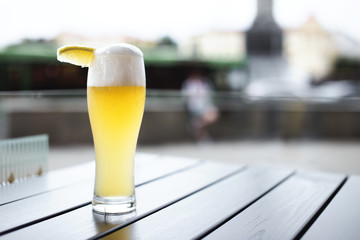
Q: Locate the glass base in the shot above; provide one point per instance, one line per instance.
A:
(114, 205)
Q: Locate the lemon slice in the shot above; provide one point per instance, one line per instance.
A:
(77, 55)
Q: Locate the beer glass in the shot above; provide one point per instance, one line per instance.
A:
(116, 99)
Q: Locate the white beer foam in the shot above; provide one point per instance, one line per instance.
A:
(117, 65)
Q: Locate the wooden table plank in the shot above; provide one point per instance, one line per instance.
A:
(42, 206)
(50, 181)
(284, 212)
(56, 179)
(204, 210)
(151, 197)
(341, 219)
(149, 167)
(50, 203)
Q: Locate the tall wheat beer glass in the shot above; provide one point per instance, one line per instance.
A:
(116, 99)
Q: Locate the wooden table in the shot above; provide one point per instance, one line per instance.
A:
(184, 199)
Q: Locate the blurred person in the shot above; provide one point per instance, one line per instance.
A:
(198, 92)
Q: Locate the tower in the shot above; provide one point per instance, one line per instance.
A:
(265, 36)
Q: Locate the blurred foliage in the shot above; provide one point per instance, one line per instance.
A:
(165, 52)
(167, 41)
(32, 65)
(30, 50)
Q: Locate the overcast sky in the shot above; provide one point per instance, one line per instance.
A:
(152, 19)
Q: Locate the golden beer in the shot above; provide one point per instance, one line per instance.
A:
(116, 99)
(115, 115)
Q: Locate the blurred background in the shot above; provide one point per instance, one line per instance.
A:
(284, 77)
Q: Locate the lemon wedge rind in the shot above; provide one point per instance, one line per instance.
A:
(76, 54)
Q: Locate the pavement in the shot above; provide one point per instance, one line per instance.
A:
(329, 156)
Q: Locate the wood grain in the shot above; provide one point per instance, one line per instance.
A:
(51, 202)
(205, 209)
(82, 223)
(340, 220)
(283, 212)
(50, 181)
(85, 172)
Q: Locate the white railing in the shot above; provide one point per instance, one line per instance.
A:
(23, 157)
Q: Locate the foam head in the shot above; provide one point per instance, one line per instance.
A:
(117, 65)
